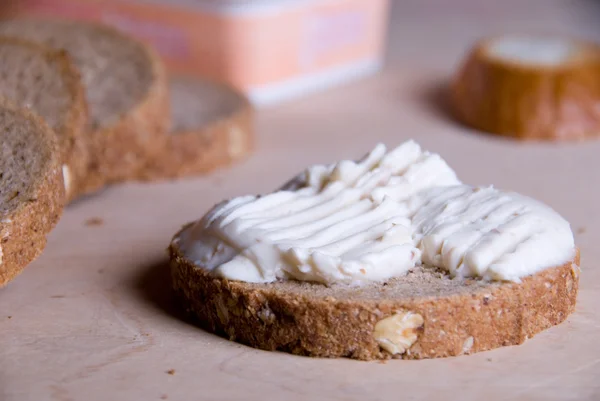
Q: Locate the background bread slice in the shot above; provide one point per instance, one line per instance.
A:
(126, 90)
(211, 126)
(45, 81)
(530, 87)
(31, 188)
(431, 314)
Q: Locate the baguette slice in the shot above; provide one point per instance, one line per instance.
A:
(527, 87)
(32, 192)
(126, 90)
(211, 127)
(425, 314)
(45, 81)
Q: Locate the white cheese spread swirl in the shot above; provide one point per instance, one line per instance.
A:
(371, 220)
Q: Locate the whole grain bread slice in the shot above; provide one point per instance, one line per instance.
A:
(425, 314)
(126, 90)
(44, 80)
(211, 126)
(32, 192)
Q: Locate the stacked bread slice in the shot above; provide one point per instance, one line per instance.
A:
(36, 77)
(126, 91)
(31, 188)
(104, 99)
(211, 127)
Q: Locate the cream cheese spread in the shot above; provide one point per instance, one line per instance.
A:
(482, 232)
(371, 220)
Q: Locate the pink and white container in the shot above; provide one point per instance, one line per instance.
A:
(271, 49)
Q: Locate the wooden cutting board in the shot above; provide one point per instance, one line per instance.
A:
(93, 318)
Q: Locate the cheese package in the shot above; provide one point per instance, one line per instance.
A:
(270, 49)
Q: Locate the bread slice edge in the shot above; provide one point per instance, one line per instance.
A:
(120, 151)
(268, 319)
(207, 147)
(23, 233)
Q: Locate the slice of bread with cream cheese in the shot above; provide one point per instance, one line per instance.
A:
(390, 256)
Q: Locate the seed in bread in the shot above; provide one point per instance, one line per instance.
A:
(45, 81)
(530, 87)
(211, 127)
(32, 192)
(385, 257)
(126, 90)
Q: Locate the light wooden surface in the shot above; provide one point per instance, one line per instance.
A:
(93, 318)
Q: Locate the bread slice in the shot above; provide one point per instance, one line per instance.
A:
(211, 127)
(32, 190)
(45, 81)
(424, 314)
(126, 90)
(530, 87)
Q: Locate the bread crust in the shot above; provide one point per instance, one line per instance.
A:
(201, 150)
(118, 152)
(23, 232)
(528, 102)
(73, 148)
(270, 317)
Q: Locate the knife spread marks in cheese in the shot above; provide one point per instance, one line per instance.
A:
(482, 232)
(371, 220)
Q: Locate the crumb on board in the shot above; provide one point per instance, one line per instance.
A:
(581, 230)
(94, 221)
(171, 372)
(164, 397)
(10, 317)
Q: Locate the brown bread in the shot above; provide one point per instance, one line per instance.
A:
(126, 90)
(45, 81)
(212, 126)
(430, 315)
(31, 188)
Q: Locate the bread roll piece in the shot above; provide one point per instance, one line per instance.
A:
(212, 126)
(424, 314)
(32, 190)
(530, 87)
(45, 81)
(126, 90)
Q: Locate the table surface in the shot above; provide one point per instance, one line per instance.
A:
(94, 318)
